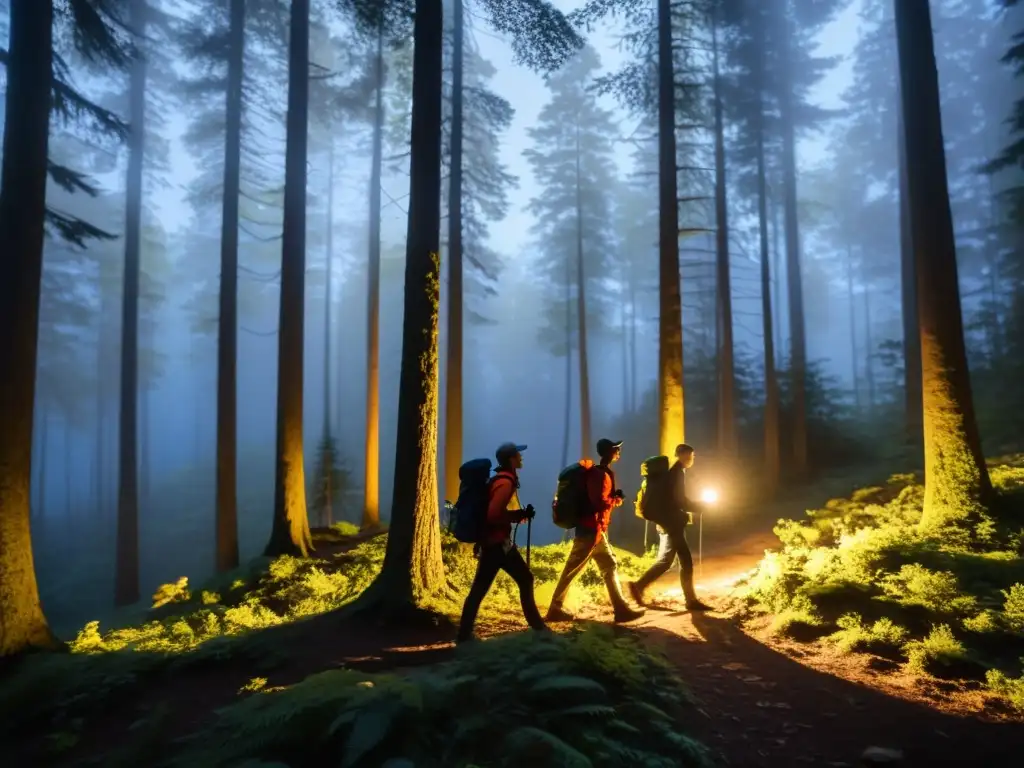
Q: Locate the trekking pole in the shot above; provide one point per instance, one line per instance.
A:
(647, 526)
(529, 530)
(700, 547)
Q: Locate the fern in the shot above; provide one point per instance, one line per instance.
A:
(527, 745)
(558, 694)
(583, 710)
(566, 685)
(370, 729)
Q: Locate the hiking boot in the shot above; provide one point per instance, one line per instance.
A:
(635, 592)
(696, 605)
(558, 614)
(624, 613)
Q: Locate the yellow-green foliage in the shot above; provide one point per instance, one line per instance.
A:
(862, 571)
(286, 589)
(587, 699)
(1011, 689)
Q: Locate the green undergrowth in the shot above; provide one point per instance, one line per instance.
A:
(588, 699)
(271, 592)
(224, 622)
(860, 574)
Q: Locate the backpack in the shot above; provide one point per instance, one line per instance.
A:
(571, 503)
(469, 515)
(654, 500)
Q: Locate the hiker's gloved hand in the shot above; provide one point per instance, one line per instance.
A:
(529, 512)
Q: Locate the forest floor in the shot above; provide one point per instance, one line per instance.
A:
(760, 701)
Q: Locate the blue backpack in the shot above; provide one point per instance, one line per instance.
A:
(469, 515)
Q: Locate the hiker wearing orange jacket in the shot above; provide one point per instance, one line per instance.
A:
(496, 550)
(591, 541)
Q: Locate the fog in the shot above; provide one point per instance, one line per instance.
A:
(517, 383)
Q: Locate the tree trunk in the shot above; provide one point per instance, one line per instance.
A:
(568, 363)
(624, 331)
(633, 399)
(908, 303)
(858, 394)
(44, 456)
(371, 484)
(798, 344)
(869, 366)
(327, 513)
(99, 447)
(413, 571)
(227, 336)
(145, 447)
(727, 437)
(453, 371)
(780, 344)
(771, 384)
(68, 435)
(957, 483)
(290, 533)
(581, 312)
(22, 212)
(126, 577)
(671, 414)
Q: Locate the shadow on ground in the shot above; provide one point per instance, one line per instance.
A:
(761, 708)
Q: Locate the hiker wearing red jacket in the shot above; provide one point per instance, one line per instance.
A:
(591, 541)
(496, 550)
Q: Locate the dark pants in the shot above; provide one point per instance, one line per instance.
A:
(673, 544)
(494, 558)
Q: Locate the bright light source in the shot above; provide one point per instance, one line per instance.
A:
(709, 496)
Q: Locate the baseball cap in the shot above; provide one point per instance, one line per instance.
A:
(604, 446)
(507, 450)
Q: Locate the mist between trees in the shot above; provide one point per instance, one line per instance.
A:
(189, 148)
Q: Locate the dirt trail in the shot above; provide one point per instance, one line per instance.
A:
(759, 707)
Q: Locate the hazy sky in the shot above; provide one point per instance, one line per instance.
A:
(526, 92)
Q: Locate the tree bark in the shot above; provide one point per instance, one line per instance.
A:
(633, 399)
(290, 533)
(453, 371)
(957, 484)
(797, 331)
(413, 571)
(772, 468)
(227, 336)
(671, 413)
(858, 394)
(908, 304)
(126, 575)
(568, 363)
(586, 444)
(371, 482)
(22, 213)
(869, 366)
(727, 437)
(327, 513)
(780, 344)
(68, 436)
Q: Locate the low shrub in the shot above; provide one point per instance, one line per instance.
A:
(861, 574)
(589, 698)
(269, 592)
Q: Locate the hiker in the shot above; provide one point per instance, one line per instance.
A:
(672, 534)
(496, 550)
(591, 539)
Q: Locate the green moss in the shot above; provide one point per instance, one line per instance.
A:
(271, 592)
(863, 571)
